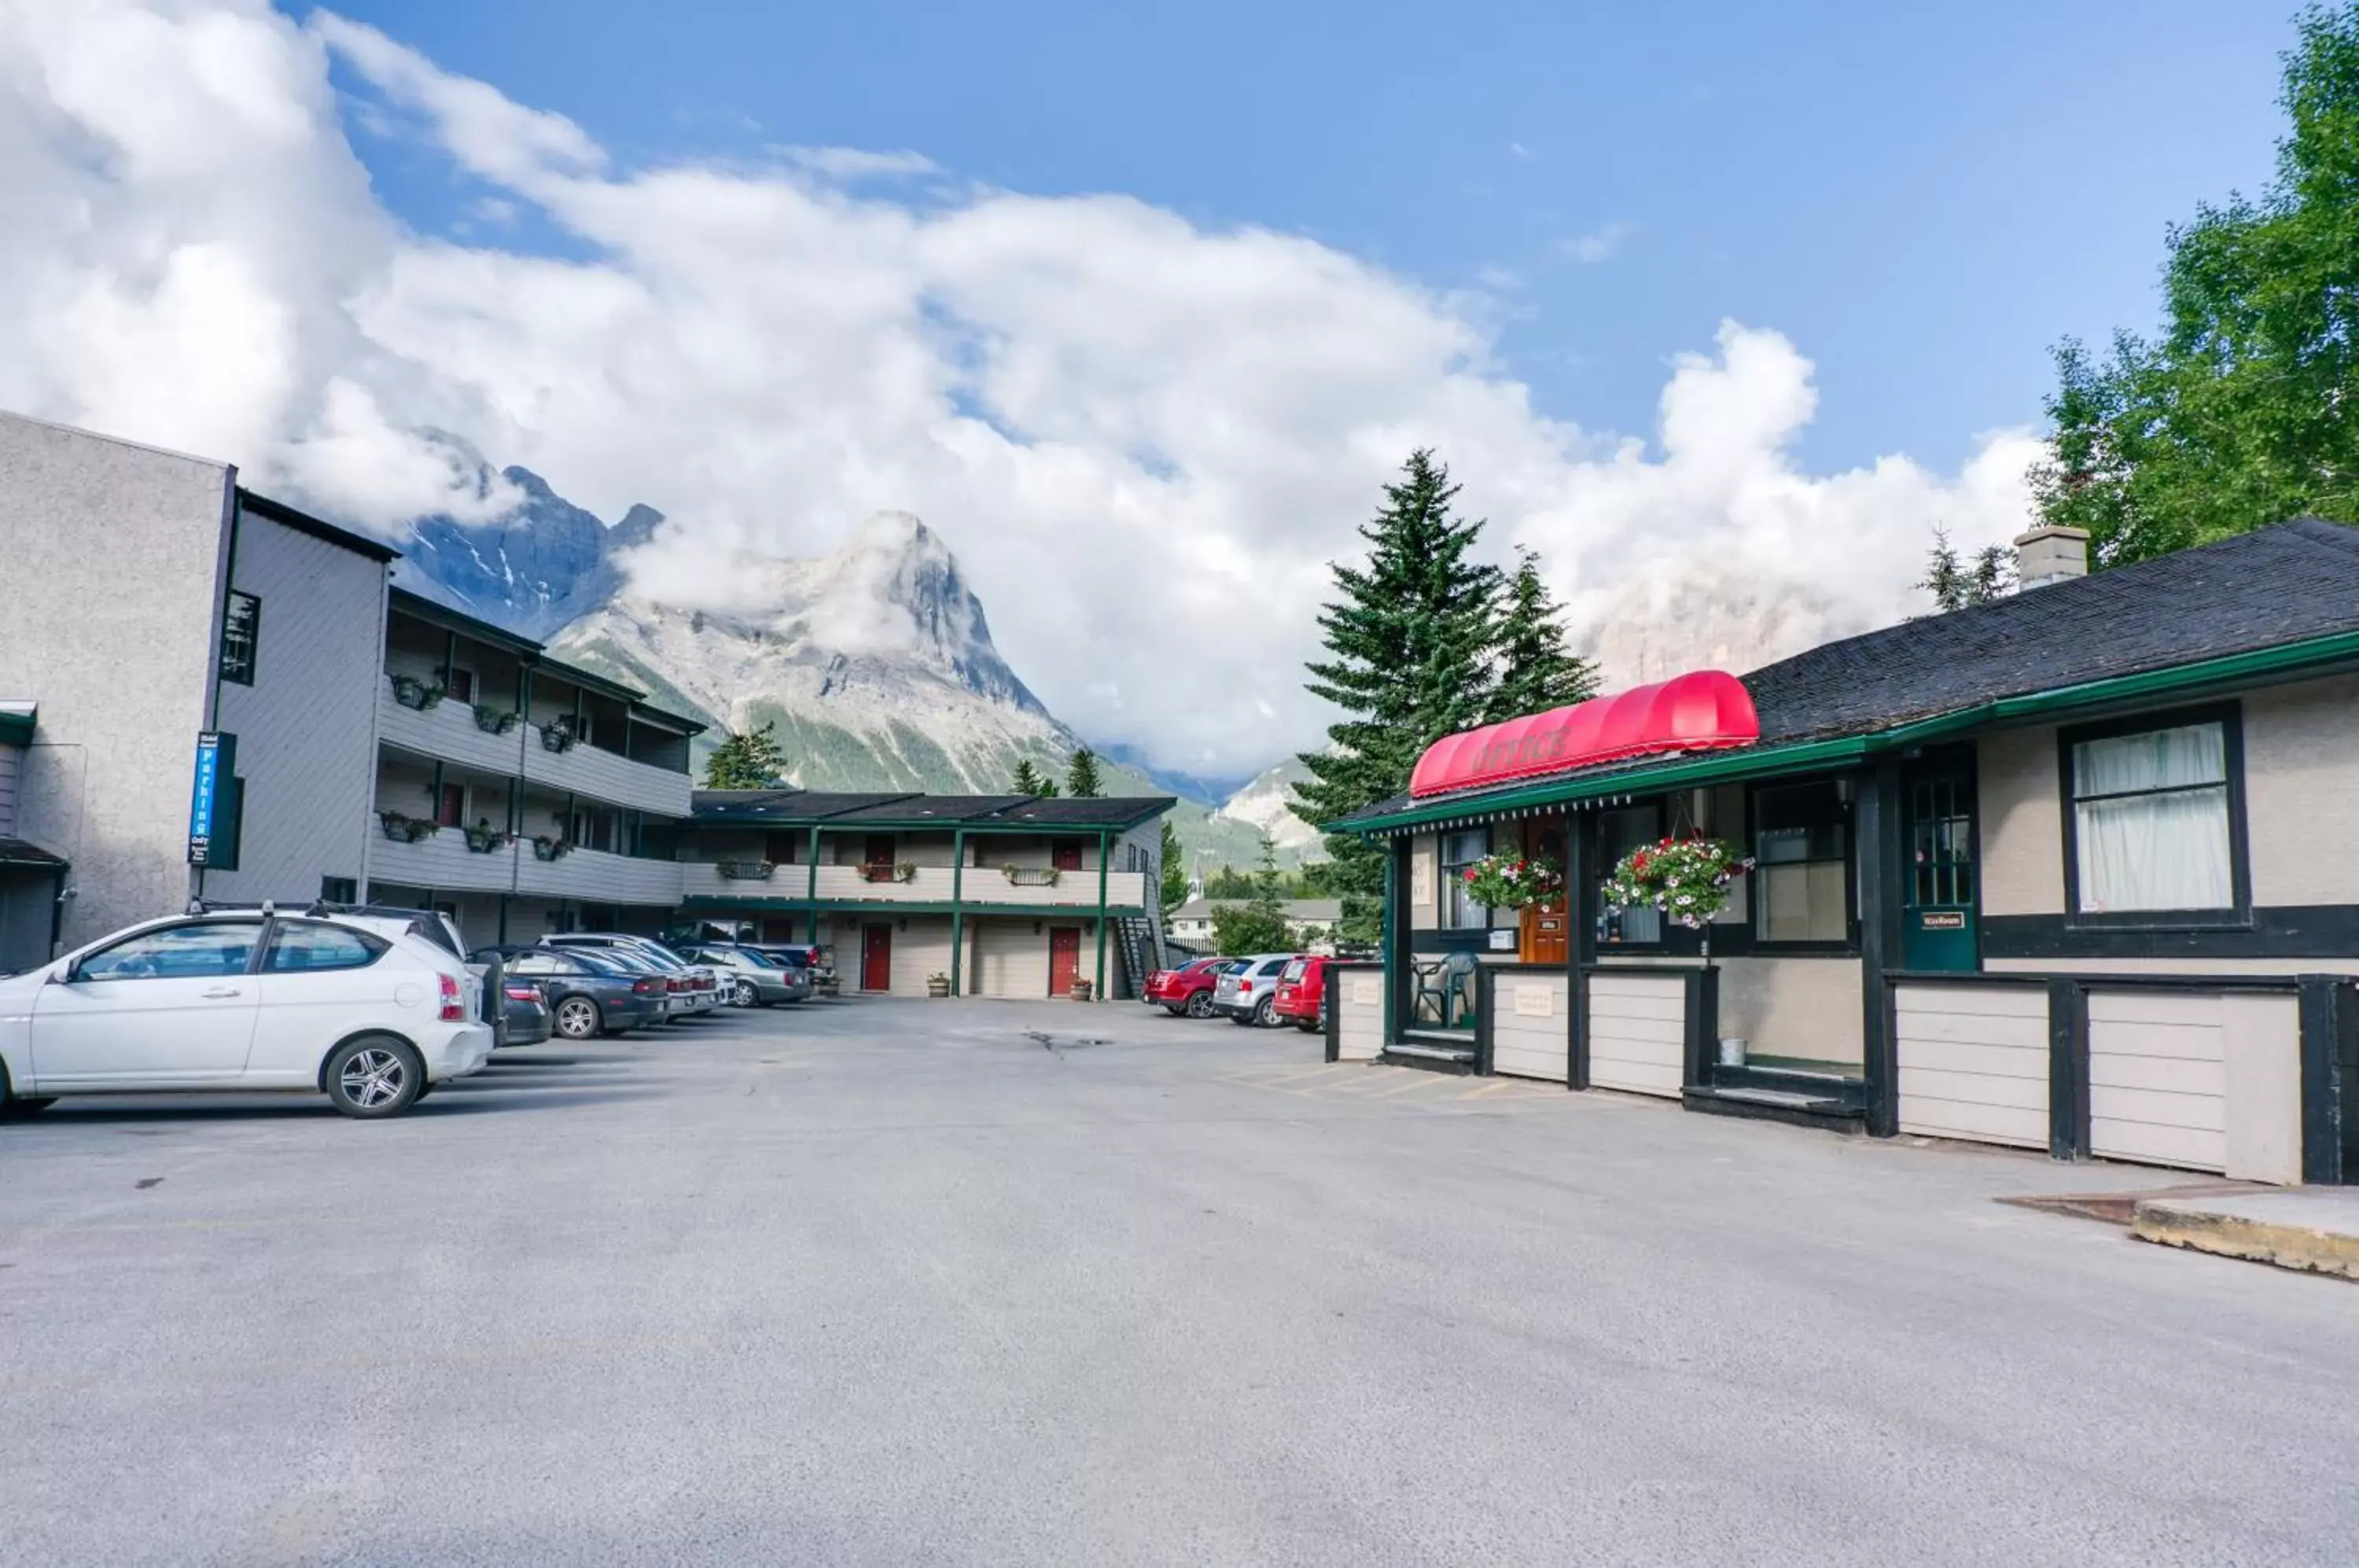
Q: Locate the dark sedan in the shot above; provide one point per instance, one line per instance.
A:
(526, 1011)
(588, 994)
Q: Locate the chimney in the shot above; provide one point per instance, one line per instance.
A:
(2048, 554)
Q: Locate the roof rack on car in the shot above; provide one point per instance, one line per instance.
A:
(227, 906)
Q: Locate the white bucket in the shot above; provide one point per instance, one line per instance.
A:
(1732, 1051)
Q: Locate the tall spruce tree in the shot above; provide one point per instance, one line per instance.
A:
(1082, 775)
(1030, 781)
(1536, 670)
(1174, 891)
(1410, 639)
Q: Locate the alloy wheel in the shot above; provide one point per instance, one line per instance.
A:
(741, 995)
(1200, 1005)
(374, 1077)
(577, 1018)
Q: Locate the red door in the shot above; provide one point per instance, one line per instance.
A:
(1064, 959)
(876, 958)
(1068, 853)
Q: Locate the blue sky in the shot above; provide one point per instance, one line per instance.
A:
(1923, 197)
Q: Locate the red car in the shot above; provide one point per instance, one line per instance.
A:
(1187, 989)
(1303, 995)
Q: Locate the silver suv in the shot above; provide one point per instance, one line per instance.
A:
(1247, 992)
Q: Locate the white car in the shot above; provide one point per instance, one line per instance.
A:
(363, 1010)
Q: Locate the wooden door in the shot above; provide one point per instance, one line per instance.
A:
(880, 849)
(1068, 853)
(1546, 926)
(1064, 959)
(778, 848)
(876, 958)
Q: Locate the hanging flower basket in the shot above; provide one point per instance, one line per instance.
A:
(551, 848)
(907, 871)
(411, 693)
(557, 735)
(1514, 881)
(1030, 875)
(745, 870)
(1686, 878)
(402, 828)
(495, 721)
(485, 839)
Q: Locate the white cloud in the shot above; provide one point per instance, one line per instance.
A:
(1599, 243)
(857, 163)
(1145, 438)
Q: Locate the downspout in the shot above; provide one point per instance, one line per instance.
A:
(958, 908)
(811, 894)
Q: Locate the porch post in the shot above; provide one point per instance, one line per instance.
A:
(811, 894)
(1395, 937)
(958, 910)
(1875, 821)
(2330, 1081)
(1098, 994)
(1580, 939)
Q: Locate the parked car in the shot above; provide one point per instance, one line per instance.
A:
(524, 1009)
(752, 978)
(1247, 992)
(700, 991)
(1187, 989)
(369, 1012)
(1301, 998)
(591, 993)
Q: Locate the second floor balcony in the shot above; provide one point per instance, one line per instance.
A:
(890, 884)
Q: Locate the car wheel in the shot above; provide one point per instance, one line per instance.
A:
(741, 995)
(577, 1018)
(374, 1076)
(1265, 1012)
(1200, 1005)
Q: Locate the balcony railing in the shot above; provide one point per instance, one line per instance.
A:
(442, 860)
(598, 877)
(447, 730)
(980, 888)
(585, 770)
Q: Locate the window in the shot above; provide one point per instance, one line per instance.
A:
(1801, 850)
(2155, 821)
(459, 684)
(339, 890)
(241, 628)
(202, 950)
(1459, 851)
(1618, 832)
(305, 948)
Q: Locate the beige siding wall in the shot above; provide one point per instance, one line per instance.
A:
(1637, 1033)
(1530, 1026)
(2301, 792)
(1359, 1017)
(1009, 959)
(1974, 1063)
(1805, 1007)
(2022, 828)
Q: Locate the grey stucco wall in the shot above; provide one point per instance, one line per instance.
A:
(307, 727)
(113, 555)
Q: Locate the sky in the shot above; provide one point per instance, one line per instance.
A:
(1721, 307)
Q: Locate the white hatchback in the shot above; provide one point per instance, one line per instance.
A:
(363, 1010)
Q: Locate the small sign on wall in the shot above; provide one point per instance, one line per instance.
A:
(1535, 1002)
(1421, 879)
(1366, 991)
(1942, 920)
(1503, 939)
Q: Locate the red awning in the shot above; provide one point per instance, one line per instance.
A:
(1704, 710)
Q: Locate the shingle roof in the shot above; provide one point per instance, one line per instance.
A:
(2275, 585)
(845, 809)
(18, 852)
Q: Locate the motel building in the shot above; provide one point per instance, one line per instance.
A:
(1005, 896)
(2076, 871)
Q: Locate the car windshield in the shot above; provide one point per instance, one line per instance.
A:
(1294, 970)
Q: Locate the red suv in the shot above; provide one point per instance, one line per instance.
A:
(1303, 995)
(1187, 989)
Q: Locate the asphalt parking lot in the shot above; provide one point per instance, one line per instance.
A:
(900, 1282)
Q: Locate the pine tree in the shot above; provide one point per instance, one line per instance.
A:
(750, 759)
(1082, 775)
(1411, 638)
(1537, 672)
(1030, 781)
(1258, 925)
(1955, 586)
(1175, 871)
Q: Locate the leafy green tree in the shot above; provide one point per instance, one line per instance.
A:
(1258, 925)
(2244, 410)
(1175, 871)
(749, 759)
(1536, 670)
(1956, 585)
(1410, 639)
(1082, 775)
(1030, 781)
(1228, 882)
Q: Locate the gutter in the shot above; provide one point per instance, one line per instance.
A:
(2341, 648)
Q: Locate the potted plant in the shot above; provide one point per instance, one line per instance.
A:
(402, 828)
(557, 735)
(411, 693)
(485, 839)
(745, 870)
(1081, 990)
(545, 848)
(1686, 878)
(495, 721)
(938, 986)
(1510, 881)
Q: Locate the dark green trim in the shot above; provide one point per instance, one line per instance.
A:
(16, 729)
(735, 817)
(2309, 656)
(708, 905)
(957, 909)
(304, 523)
(1105, 846)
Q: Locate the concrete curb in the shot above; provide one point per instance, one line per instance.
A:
(2198, 1229)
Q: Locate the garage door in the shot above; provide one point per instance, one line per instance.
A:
(2158, 1078)
(1973, 1062)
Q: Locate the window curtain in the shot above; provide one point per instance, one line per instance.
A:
(2157, 837)
(1459, 851)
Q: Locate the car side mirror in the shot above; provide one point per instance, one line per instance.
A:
(65, 975)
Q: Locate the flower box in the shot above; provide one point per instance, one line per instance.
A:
(907, 871)
(745, 870)
(495, 721)
(404, 829)
(1032, 876)
(551, 848)
(485, 839)
(411, 693)
(557, 735)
